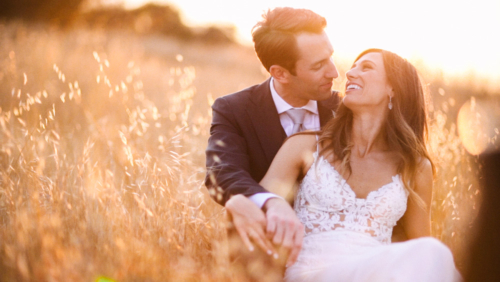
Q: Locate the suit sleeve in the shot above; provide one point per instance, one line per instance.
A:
(227, 159)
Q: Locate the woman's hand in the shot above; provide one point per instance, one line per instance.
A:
(284, 228)
(250, 222)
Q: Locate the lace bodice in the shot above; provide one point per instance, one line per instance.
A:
(326, 202)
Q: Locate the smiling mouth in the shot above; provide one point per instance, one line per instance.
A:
(353, 87)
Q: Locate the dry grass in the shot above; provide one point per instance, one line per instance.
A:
(102, 157)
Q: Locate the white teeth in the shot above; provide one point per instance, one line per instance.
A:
(353, 86)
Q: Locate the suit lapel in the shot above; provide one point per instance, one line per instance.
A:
(326, 108)
(266, 121)
(324, 114)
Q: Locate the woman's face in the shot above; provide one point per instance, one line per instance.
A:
(367, 84)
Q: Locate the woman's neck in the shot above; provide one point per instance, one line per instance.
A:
(368, 134)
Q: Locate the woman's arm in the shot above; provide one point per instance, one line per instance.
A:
(280, 223)
(417, 219)
(291, 161)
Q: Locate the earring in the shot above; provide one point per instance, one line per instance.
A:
(390, 103)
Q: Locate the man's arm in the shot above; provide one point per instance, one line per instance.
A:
(228, 174)
(227, 159)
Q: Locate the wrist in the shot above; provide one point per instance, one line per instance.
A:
(269, 203)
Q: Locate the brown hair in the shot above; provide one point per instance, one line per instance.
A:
(274, 36)
(406, 126)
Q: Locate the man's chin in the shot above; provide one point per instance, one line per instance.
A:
(325, 95)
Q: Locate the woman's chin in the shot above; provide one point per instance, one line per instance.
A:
(349, 102)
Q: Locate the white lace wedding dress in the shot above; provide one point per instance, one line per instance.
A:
(349, 239)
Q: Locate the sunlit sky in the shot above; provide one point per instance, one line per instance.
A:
(455, 35)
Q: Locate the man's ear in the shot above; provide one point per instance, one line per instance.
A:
(279, 73)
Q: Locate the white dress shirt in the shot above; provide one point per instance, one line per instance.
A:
(311, 122)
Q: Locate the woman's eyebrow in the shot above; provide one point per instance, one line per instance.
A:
(368, 61)
(364, 61)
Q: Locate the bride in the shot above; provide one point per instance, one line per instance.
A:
(366, 170)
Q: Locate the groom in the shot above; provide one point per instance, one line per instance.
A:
(248, 127)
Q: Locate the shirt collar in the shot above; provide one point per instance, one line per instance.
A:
(282, 106)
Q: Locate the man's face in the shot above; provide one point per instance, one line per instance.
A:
(315, 69)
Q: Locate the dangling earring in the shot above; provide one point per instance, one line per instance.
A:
(390, 103)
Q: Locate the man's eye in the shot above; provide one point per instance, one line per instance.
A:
(317, 67)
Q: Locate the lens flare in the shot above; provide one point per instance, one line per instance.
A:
(476, 126)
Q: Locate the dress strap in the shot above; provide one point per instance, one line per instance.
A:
(317, 144)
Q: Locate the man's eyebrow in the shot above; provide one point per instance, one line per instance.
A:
(321, 61)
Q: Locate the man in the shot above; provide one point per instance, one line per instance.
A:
(248, 127)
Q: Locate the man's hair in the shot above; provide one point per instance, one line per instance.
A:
(274, 36)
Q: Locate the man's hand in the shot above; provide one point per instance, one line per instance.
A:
(284, 227)
(250, 222)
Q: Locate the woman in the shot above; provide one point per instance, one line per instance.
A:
(368, 168)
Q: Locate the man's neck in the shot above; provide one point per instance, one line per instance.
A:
(289, 95)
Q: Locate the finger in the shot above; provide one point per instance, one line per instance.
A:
(292, 258)
(260, 239)
(294, 253)
(278, 235)
(271, 228)
(288, 236)
(269, 244)
(245, 239)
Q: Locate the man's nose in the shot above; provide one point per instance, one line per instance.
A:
(332, 70)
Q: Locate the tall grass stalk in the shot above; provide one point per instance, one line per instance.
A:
(102, 138)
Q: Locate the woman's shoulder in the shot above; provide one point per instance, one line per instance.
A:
(425, 166)
(424, 176)
(302, 146)
(307, 138)
(302, 143)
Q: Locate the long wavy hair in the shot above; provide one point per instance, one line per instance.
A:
(405, 128)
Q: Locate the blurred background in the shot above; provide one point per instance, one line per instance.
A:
(105, 115)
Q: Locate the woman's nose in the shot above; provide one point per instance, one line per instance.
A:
(350, 73)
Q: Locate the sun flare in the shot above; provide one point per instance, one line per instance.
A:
(456, 36)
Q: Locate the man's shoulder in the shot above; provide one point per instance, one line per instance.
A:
(242, 96)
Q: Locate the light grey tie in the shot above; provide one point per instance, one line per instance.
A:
(297, 116)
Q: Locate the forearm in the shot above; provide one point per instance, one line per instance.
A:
(227, 158)
(223, 182)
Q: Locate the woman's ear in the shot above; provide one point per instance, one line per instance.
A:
(279, 73)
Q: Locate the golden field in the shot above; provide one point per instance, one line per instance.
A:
(102, 139)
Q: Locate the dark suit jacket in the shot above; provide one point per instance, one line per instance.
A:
(245, 135)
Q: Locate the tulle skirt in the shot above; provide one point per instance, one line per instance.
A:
(351, 256)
